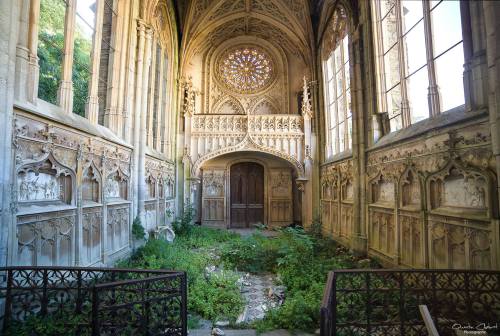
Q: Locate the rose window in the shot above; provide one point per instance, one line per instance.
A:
(246, 69)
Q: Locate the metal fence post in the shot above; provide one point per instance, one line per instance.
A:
(8, 300)
(95, 312)
(184, 303)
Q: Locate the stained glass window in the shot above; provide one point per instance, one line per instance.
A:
(246, 69)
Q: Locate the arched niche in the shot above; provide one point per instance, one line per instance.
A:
(46, 182)
(410, 190)
(169, 187)
(460, 191)
(347, 190)
(382, 190)
(265, 106)
(116, 186)
(91, 185)
(228, 105)
(151, 186)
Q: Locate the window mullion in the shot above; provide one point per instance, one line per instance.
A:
(405, 105)
(161, 92)
(65, 92)
(328, 122)
(335, 142)
(380, 59)
(92, 108)
(151, 93)
(433, 95)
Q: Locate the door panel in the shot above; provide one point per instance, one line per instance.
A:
(247, 194)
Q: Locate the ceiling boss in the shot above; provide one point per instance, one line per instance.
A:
(245, 69)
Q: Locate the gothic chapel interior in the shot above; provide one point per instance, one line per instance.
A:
(378, 118)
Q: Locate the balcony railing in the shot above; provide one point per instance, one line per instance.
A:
(386, 302)
(96, 301)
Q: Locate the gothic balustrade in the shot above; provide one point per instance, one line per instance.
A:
(278, 133)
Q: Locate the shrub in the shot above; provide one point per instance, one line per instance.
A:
(183, 224)
(137, 229)
(34, 325)
(217, 297)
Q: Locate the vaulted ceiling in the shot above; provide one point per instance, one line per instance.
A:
(286, 23)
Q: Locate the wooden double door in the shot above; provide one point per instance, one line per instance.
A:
(247, 194)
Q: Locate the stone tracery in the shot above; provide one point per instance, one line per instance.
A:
(246, 69)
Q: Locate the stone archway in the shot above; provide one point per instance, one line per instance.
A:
(270, 196)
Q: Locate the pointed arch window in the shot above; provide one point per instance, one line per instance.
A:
(337, 86)
(73, 62)
(420, 59)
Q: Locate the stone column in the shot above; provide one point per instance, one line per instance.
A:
(307, 200)
(491, 13)
(142, 187)
(127, 40)
(92, 108)
(433, 95)
(23, 53)
(141, 29)
(34, 68)
(475, 66)
(65, 92)
(9, 24)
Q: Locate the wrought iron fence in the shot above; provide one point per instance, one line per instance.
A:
(106, 301)
(385, 302)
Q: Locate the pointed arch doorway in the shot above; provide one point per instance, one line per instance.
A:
(247, 194)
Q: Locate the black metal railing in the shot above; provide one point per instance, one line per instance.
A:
(385, 302)
(96, 301)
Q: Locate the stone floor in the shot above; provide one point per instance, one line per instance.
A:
(261, 294)
(248, 332)
(249, 232)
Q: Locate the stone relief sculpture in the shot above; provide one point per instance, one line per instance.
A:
(213, 183)
(38, 186)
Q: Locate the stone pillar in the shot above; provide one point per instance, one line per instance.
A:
(141, 29)
(34, 69)
(65, 92)
(9, 25)
(23, 53)
(142, 187)
(492, 24)
(92, 108)
(307, 200)
(475, 66)
(433, 94)
(126, 40)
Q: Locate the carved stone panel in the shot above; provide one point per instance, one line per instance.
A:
(280, 184)
(382, 232)
(213, 197)
(150, 216)
(46, 239)
(118, 227)
(92, 231)
(412, 240)
(457, 243)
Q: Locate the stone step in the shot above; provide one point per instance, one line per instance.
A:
(227, 332)
(248, 332)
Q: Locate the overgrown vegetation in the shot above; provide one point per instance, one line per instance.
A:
(35, 325)
(300, 259)
(137, 229)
